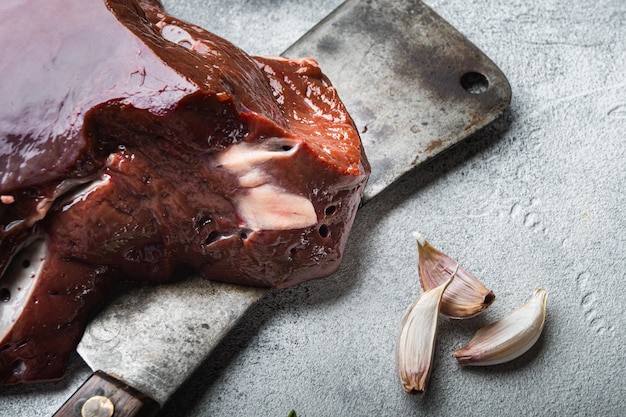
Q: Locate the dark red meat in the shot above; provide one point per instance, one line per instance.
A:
(134, 146)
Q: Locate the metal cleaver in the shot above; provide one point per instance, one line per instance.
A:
(414, 86)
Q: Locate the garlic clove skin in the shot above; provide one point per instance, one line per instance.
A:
(466, 297)
(416, 342)
(507, 338)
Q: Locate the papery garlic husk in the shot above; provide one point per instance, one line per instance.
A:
(416, 342)
(466, 297)
(509, 337)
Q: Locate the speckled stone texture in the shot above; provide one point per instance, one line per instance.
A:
(537, 199)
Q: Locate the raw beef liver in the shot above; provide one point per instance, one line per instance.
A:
(134, 146)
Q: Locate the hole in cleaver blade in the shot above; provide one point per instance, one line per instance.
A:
(412, 83)
(414, 86)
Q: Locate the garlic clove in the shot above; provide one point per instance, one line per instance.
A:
(416, 342)
(466, 297)
(509, 337)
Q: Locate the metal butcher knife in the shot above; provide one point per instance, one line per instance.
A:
(414, 86)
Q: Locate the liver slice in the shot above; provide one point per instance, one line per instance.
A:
(135, 147)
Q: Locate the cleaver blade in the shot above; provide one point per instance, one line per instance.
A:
(415, 87)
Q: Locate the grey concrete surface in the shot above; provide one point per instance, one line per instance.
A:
(537, 199)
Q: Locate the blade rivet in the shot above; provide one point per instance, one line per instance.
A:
(97, 406)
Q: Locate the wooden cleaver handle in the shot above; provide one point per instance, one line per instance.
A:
(105, 396)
